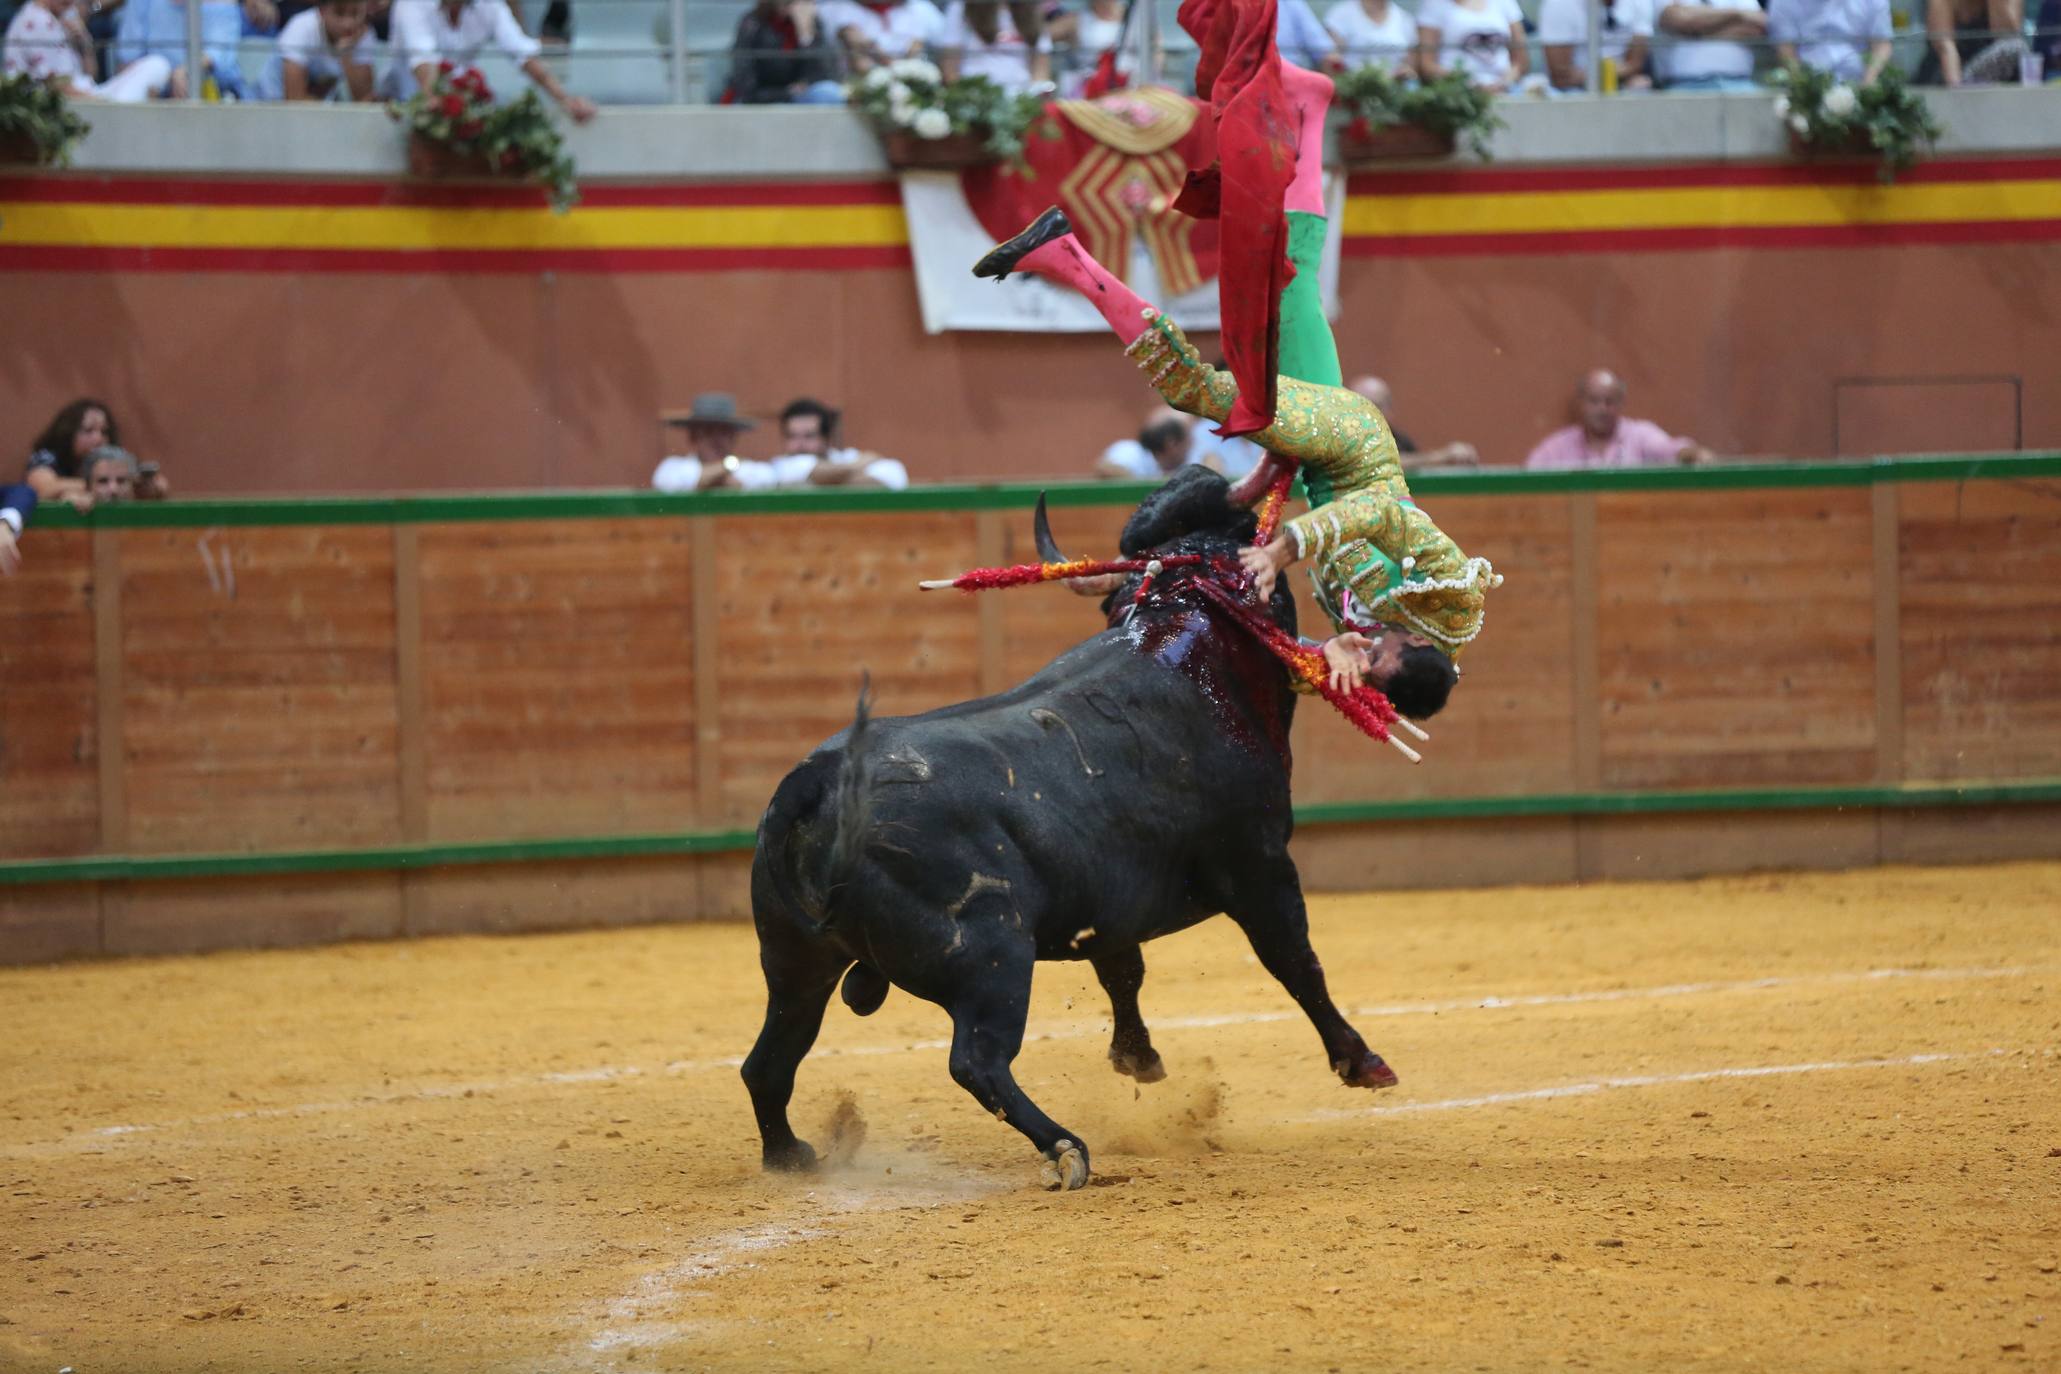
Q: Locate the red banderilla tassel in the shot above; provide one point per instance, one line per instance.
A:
(1028, 574)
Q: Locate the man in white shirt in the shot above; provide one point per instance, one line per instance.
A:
(872, 37)
(427, 32)
(1832, 35)
(1564, 34)
(320, 49)
(1707, 45)
(712, 426)
(1374, 33)
(810, 455)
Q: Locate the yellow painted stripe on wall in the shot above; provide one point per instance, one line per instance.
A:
(413, 227)
(1699, 207)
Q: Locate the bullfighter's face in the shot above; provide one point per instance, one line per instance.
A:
(1385, 660)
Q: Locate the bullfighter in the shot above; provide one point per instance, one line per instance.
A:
(1405, 599)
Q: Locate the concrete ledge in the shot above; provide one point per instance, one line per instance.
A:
(718, 143)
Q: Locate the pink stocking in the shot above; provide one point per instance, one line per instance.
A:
(1064, 260)
(1310, 93)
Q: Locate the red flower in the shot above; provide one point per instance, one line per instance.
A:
(469, 129)
(453, 107)
(446, 68)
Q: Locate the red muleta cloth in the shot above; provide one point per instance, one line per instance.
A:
(1240, 73)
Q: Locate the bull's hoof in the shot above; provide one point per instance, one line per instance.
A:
(1367, 1072)
(1066, 1167)
(796, 1158)
(1146, 1067)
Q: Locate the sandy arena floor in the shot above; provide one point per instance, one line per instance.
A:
(1783, 1123)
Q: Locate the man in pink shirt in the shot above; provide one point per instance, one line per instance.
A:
(1606, 439)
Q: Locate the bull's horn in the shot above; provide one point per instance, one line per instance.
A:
(1041, 531)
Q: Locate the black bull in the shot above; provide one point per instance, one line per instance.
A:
(1136, 786)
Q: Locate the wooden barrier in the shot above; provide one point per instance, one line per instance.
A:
(234, 723)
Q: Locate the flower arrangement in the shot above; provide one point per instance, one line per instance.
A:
(37, 121)
(1450, 106)
(458, 116)
(1885, 117)
(912, 96)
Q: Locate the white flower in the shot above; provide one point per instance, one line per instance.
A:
(877, 78)
(1839, 101)
(897, 93)
(917, 69)
(1800, 124)
(932, 124)
(1781, 107)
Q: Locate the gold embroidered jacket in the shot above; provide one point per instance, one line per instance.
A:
(1362, 534)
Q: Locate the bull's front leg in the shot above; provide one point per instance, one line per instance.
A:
(1130, 1046)
(1270, 911)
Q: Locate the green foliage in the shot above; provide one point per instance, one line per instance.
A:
(1828, 116)
(39, 112)
(901, 95)
(458, 113)
(1450, 104)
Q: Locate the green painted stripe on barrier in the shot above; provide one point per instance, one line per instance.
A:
(116, 868)
(1014, 496)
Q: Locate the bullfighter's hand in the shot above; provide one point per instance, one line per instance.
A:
(1259, 564)
(1349, 656)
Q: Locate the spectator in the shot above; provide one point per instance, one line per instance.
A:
(1606, 439)
(811, 457)
(17, 504)
(712, 426)
(111, 474)
(1090, 32)
(1707, 44)
(157, 28)
(1456, 454)
(1962, 34)
(48, 41)
(1304, 41)
(429, 32)
(57, 458)
(1483, 39)
(873, 35)
(781, 56)
(980, 39)
(1564, 33)
(1166, 442)
(322, 50)
(1831, 35)
(1374, 33)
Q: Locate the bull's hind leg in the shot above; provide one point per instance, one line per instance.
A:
(1270, 911)
(1130, 1047)
(798, 986)
(987, 1031)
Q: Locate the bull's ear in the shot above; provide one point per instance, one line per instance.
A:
(1041, 531)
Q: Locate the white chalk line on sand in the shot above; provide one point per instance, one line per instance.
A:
(633, 1320)
(101, 1134)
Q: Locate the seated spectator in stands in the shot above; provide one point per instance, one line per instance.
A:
(47, 40)
(57, 458)
(1303, 40)
(113, 474)
(157, 28)
(712, 426)
(873, 35)
(1972, 41)
(810, 455)
(1374, 33)
(1606, 439)
(17, 504)
(1454, 455)
(1164, 443)
(429, 32)
(322, 51)
(1832, 36)
(1564, 34)
(1087, 33)
(782, 56)
(1707, 45)
(1483, 39)
(980, 39)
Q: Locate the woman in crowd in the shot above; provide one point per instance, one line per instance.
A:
(1482, 38)
(1374, 33)
(47, 40)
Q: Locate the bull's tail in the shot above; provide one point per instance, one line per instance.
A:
(854, 806)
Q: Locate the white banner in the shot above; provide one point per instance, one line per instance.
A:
(945, 240)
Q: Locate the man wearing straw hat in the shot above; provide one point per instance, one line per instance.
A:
(712, 426)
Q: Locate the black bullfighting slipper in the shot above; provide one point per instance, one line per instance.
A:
(1003, 257)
